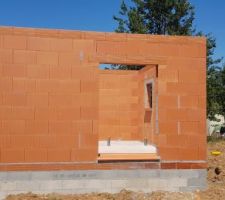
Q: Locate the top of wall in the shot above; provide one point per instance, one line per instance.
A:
(99, 36)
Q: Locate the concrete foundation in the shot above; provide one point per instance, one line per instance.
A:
(86, 181)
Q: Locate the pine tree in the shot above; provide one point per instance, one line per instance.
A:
(170, 17)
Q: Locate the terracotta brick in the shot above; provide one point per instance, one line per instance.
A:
(14, 70)
(69, 86)
(168, 75)
(50, 58)
(193, 141)
(84, 154)
(6, 56)
(82, 126)
(37, 99)
(115, 37)
(15, 99)
(38, 71)
(5, 84)
(168, 127)
(68, 113)
(59, 155)
(202, 153)
(38, 43)
(202, 102)
(25, 141)
(75, 157)
(23, 85)
(200, 165)
(88, 99)
(67, 141)
(5, 141)
(24, 57)
(189, 127)
(36, 127)
(60, 72)
(13, 127)
(61, 44)
(70, 34)
(22, 113)
(15, 42)
(162, 87)
(12, 155)
(196, 114)
(171, 165)
(60, 100)
(189, 101)
(45, 113)
(89, 113)
(1, 41)
(185, 75)
(168, 101)
(68, 58)
(89, 86)
(36, 155)
(46, 85)
(23, 31)
(193, 51)
(85, 46)
(6, 30)
(60, 127)
(87, 140)
(115, 48)
(202, 128)
(46, 33)
(1, 99)
(188, 153)
(176, 114)
(186, 88)
(169, 153)
(83, 73)
(166, 49)
(94, 36)
(177, 140)
(5, 112)
(47, 141)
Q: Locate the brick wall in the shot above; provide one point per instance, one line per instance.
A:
(118, 105)
(49, 97)
(49, 93)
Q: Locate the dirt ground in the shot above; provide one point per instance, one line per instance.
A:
(215, 191)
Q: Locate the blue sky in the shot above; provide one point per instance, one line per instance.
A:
(96, 15)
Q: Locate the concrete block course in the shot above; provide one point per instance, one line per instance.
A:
(101, 181)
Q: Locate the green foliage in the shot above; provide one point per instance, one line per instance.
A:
(174, 17)
(170, 17)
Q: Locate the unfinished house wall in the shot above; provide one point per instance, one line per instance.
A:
(54, 108)
(118, 105)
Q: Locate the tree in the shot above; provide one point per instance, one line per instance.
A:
(172, 17)
(222, 94)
